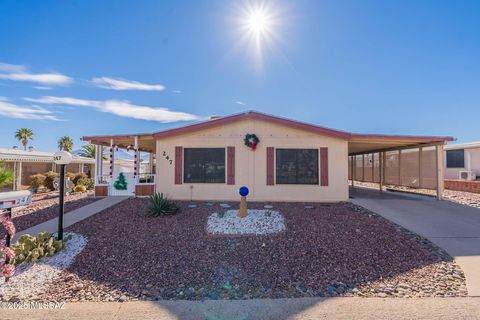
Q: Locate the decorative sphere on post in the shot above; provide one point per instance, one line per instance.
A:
(243, 191)
(242, 212)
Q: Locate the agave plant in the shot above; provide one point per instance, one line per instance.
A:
(160, 205)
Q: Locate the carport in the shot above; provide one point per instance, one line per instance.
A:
(409, 161)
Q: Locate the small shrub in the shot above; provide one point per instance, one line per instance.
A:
(31, 249)
(85, 181)
(79, 188)
(70, 175)
(79, 177)
(50, 178)
(37, 181)
(160, 206)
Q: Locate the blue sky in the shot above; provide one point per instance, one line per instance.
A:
(102, 67)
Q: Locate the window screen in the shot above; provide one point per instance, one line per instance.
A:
(204, 165)
(455, 159)
(297, 166)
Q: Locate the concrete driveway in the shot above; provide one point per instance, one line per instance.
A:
(453, 227)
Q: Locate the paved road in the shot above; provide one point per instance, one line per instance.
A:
(453, 227)
(276, 309)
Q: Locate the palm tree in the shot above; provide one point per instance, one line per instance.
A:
(23, 135)
(88, 151)
(6, 175)
(65, 143)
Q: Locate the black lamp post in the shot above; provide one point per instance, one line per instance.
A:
(62, 202)
(62, 158)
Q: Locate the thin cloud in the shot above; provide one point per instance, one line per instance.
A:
(176, 91)
(10, 110)
(43, 88)
(6, 67)
(241, 103)
(20, 73)
(120, 108)
(122, 84)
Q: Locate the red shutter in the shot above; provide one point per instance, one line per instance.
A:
(178, 165)
(324, 166)
(270, 166)
(230, 165)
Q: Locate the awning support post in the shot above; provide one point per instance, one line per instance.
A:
(440, 182)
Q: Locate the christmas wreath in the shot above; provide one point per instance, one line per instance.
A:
(251, 140)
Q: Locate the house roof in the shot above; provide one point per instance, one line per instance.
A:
(466, 145)
(256, 116)
(36, 156)
(358, 143)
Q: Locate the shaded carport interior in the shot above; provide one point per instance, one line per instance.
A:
(409, 161)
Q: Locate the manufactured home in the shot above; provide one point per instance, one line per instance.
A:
(278, 159)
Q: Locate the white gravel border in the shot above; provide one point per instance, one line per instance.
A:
(256, 222)
(31, 279)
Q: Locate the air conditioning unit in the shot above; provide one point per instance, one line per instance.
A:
(467, 175)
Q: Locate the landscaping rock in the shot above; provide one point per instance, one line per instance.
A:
(319, 254)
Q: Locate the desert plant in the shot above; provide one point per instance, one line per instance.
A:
(50, 178)
(31, 249)
(37, 181)
(24, 135)
(6, 175)
(79, 177)
(70, 175)
(84, 181)
(65, 143)
(79, 188)
(160, 205)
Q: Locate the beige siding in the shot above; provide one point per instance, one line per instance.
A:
(250, 166)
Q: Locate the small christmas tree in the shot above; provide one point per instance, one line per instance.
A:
(120, 183)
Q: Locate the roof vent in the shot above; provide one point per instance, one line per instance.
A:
(215, 117)
(30, 148)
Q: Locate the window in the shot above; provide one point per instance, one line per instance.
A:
(455, 159)
(297, 166)
(204, 165)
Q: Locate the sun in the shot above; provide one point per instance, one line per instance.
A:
(258, 24)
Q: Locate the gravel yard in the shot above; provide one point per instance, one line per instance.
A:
(30, 280)
(328, 250)
(42, 210)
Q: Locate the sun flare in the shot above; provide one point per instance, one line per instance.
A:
(258, 26)
(257, 22)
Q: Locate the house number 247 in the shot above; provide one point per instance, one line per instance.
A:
(167, 157)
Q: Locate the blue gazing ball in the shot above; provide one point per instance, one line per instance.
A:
(243, 191)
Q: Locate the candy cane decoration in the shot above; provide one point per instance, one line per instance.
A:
(132, 147)
(114, 146)
(8, 268)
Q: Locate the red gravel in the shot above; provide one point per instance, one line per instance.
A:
(325, 251)
(42, 210)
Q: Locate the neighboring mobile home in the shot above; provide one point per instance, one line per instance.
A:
(462, 161)
(26, 163)
(293, 161)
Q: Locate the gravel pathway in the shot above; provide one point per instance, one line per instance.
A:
(30, 280)
(256, 222)
(44, 210)
(328, 250)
